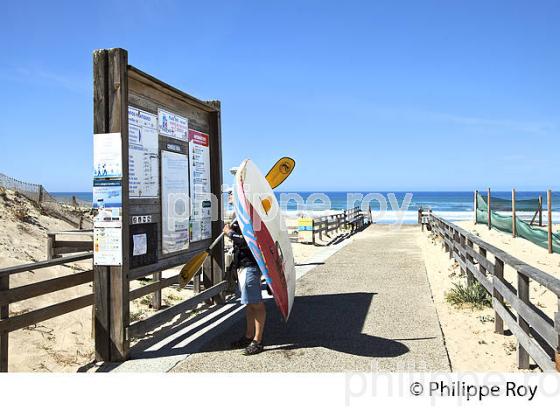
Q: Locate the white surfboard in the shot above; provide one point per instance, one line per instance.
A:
(263, 227)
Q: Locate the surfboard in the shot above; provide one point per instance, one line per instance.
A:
(264, 229)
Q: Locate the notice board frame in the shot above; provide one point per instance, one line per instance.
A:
(116, 86)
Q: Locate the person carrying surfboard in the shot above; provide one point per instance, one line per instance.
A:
(249, 279)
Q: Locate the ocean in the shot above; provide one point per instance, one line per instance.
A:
(387, 207)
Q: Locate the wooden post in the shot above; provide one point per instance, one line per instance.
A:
(4, 336)
(156, 296)
(557, 327)
(462, 245)
(41, 193)
(489, 203)
(540, 210)
(111, 283)
(523, 294)
(499, 275)
(549, 212)
(482, 251)
(470, 276)
(513, 220)
(313, 231)
(217, 254)
(475, 206)
(50, 246)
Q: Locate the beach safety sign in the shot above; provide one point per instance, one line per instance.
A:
(305, 230)
(143, 159)
(201, 197)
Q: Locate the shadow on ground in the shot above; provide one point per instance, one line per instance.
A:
(333, 322)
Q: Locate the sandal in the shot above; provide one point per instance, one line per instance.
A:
(254, 348)
(243, 342)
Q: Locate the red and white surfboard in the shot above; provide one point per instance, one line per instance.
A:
(263, 227)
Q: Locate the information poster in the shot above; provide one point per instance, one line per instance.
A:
(143, 162)
(174, 201)
(201, 198)
(107, 246)
(173, 125)
(107, 161)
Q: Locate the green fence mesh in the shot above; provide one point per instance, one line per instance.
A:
(523, 229)
(501, 204)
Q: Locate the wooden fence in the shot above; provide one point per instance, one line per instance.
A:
(10, 295)
(353, 219)
(538, 335)
(57, 247)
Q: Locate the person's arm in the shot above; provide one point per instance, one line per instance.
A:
(236, 237)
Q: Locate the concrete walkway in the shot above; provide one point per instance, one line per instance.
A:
(368, 307)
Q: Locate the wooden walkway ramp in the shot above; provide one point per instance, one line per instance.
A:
(368, 307)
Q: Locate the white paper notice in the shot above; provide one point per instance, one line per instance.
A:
(107, 160)
(174, 201)
(142, 154)
(107, 246)
(140, 244)
(173, 125)
(201, 210)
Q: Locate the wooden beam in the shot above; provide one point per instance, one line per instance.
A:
(475, 205)
(513, 215)
(498, 276)
(489, 203)
(4, 335)
(523, 295)
(549, 211)
(101, 273)
(119, 311)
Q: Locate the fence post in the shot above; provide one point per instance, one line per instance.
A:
(156, 296)
(470, 276)
(540, 210)
(557, 326)
(482, 251)
(498, 275)
(50, 246)
(313, 230)
(41, 193)
(549, 213)
(513, 221)
(461, 254)
(475, 206)
(4, 314)
(489, 209)
(523, 294)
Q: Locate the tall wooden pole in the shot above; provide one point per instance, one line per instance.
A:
(540, 210)
(549, 210)
(475, 205)
(489, 209)
(513, 220)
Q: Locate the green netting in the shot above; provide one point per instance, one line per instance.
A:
(501, 204)
(523, 229)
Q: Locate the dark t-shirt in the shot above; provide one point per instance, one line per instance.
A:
(242, 255)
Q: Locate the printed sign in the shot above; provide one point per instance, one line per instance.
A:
(107, 194)
(139, 244)
(201, 198)
(305, 230)
(174, 201)
(107, 246)
(107, 160)
(173, 125)
(143, 146)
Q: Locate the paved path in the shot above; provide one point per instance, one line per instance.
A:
(366, 308)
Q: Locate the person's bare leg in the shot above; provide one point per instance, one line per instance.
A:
(250, 318)
(260, 319)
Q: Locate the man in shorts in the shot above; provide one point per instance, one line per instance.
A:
(249, 279)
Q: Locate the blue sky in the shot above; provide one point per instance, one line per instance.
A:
(392, 95)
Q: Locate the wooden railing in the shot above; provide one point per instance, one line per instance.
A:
(10, 295)
(538, 335)
(57, 247)
(10, 323)
(353, 219)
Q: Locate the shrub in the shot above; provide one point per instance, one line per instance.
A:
(21, 213)
(474, 295)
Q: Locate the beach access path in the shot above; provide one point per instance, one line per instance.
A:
(366, 308)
